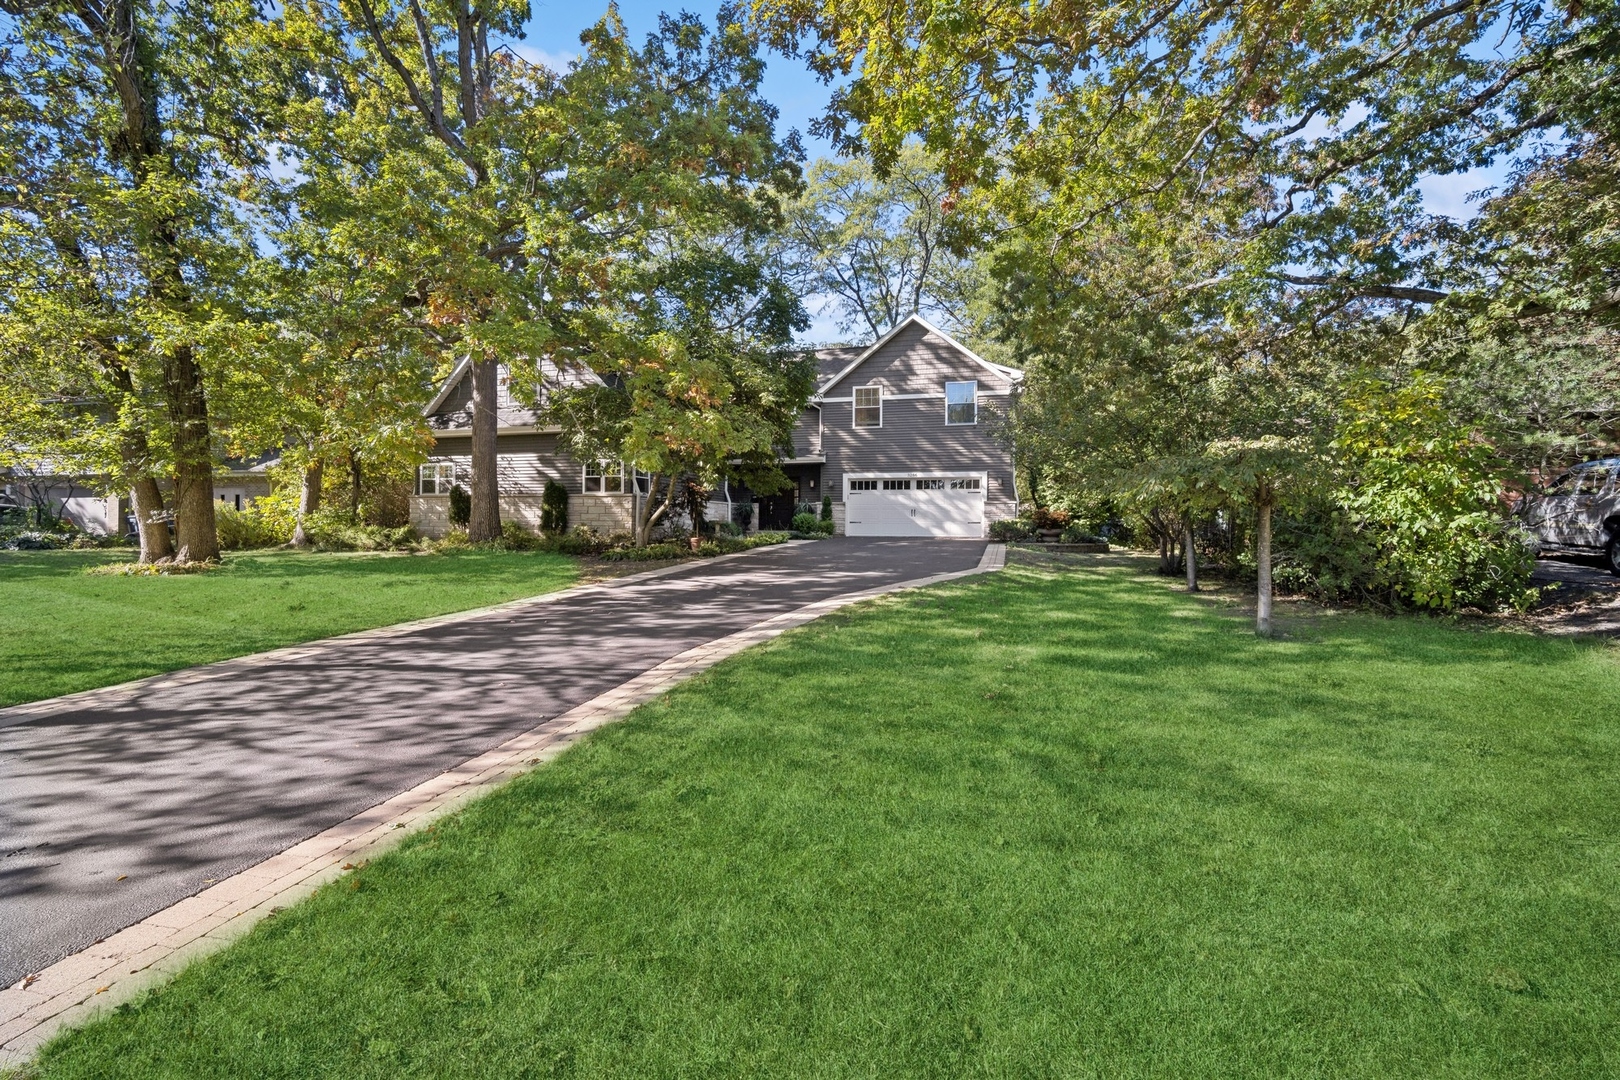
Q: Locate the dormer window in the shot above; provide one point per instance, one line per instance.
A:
(868, 406)
(962, 403)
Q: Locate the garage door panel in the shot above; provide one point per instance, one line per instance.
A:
(924, 506)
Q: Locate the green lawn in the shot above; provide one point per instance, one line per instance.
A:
(1029, 825)
(63, 630)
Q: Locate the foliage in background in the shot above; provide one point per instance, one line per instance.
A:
(877, 248)
(1427, 493)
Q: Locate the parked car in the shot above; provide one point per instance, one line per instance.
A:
(1579, 511)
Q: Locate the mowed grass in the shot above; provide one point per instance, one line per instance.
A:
(63, 630)
(1038, 824)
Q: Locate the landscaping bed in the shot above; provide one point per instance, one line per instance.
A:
(1110, 833)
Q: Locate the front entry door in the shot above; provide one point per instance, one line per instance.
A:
(776, 511)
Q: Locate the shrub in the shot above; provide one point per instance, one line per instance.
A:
(1075, 533)
(722, 545)
(826, 508)
(554, 508)
(64, 535)
(455, 539)
(649, 553)
(1010, 529)
(460, 506)
(581, 540)
(804, 523)
(515, 537)
(742, 515)
(334, 530)
(241, 530)
(1042, 518)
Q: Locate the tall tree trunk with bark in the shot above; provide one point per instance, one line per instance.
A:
(196, 538)
(1262, 558)
(485, 524)
(355, 479)
(131, 65)
(1191, 553)
(309, 500)
(135, 453)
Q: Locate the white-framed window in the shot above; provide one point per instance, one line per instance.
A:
(929, 483)
(962, 402)
(897, 485)
(869, 406)
(603, 478)
(435, 478)
(863, 485)
(965, 483)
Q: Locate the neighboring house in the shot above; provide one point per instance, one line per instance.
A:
(902, 434)
(81, 500)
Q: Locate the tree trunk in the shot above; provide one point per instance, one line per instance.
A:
(652, 512)
(309, 500)
(145, 498)
(194, 533)
(146, 502)
(485, 524)
(355, 478)
(1262, 618)
(1192, 555)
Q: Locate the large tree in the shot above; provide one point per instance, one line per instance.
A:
(126, 131)
(514, 197)
(876, 249)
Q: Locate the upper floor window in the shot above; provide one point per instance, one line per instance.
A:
(603, 478)
(962, 403)
(869, 406)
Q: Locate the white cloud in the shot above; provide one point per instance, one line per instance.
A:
(1456, 195)
(556, 61)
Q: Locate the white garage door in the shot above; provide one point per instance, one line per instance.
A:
(942, 505)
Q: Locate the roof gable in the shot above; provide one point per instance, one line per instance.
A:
(1012, 375)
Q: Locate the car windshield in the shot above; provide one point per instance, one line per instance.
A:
(1568, 484)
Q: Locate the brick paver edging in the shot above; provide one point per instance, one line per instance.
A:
(117, 968)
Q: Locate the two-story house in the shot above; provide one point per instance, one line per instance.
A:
(904, 434)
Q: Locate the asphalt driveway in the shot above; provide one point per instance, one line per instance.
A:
(119, 806)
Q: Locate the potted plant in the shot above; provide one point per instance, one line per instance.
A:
(1048, 524)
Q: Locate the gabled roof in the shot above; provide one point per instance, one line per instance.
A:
(449, 384)
(1010, 374)
(549, 373)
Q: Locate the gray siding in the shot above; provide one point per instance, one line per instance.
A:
(914, 435)
(455, 411)
(807, 434)
(524, 462)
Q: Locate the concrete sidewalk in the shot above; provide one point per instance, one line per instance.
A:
(119, 803)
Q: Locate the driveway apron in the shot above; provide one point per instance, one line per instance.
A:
(113, 811)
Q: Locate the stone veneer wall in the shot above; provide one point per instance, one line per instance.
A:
(604, 513)
(430, 514)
